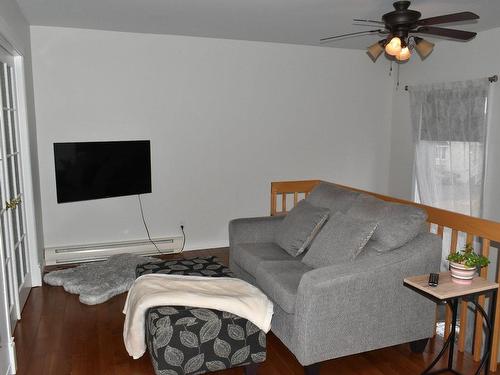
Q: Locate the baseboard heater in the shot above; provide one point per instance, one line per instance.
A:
(94, 252)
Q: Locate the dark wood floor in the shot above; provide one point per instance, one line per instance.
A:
(59, 335)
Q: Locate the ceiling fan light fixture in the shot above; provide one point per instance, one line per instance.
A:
(375, 50)
(393, 48)
(399, 28)
(423, 47)
(404, 55)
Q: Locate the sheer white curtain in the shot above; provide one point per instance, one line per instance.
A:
(449, 123)
(449, 129)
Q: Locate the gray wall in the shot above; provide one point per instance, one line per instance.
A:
(225, 118)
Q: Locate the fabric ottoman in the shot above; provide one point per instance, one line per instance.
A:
(189, 340)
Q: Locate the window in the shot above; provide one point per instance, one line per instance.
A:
(449, 126)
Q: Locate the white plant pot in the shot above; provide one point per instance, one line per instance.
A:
(461, 274)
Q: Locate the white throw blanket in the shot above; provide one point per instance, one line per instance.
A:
(220, 293)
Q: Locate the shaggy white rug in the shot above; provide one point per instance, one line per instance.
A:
(97, 282)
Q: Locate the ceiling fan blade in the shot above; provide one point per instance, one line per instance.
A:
(447, 18)
(367, 32)
(447, 33)
(369, 21)
(362, 24)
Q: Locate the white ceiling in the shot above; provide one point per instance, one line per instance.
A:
(285, 21)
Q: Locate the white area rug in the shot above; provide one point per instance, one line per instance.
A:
(98, 282)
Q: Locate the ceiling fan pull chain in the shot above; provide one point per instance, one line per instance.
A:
(397, 77)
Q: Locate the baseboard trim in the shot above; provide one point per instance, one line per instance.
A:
(36, 275)
(12, 366)
(94, 252)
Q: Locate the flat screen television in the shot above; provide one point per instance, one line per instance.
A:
(93, 170)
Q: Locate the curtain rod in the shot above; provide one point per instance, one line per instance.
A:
(491, 79)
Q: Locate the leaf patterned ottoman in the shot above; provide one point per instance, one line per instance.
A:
(189, 340)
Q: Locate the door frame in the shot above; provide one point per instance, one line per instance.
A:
(32, 244)
(24, 144)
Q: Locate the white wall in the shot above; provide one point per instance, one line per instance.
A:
(13, 25)
(450, 61)
(225, 118)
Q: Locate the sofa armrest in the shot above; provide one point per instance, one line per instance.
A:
(351, 308)
(254, 229)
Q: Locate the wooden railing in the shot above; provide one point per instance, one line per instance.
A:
(286, 194)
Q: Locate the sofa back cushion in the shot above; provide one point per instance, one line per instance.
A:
(397, 223)
(300, 226)
(339, 241)
(331, 196)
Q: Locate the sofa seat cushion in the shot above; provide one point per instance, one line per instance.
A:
(397, 223)
(299, 227)
(249, 255)
(331, 196)
(279, 280)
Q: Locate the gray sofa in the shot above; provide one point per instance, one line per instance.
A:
(347, 308)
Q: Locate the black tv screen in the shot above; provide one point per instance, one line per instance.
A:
(93, 170)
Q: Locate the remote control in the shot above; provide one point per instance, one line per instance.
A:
(434, 279)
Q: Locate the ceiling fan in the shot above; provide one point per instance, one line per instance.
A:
(401, 24)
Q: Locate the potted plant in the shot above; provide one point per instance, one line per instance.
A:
(464, 264)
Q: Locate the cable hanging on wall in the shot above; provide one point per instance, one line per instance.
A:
(146, 226)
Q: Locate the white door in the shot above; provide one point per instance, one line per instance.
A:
(12, 212)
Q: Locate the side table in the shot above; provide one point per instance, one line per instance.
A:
(449, 292)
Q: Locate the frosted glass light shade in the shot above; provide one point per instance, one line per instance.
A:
(404, 54)
(375, 50)
(393, 47)
(423, 47)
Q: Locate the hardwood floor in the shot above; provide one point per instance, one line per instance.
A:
(59, 335)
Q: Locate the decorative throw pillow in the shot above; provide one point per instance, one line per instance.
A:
(339, 241)
(299, 227)
(397, 223)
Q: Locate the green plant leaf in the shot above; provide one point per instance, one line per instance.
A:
(468, 257)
